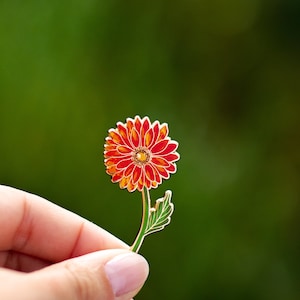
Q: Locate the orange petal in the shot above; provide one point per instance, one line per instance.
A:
(159, 161)
(115, 137)
(124, 149)
(131, 187)
(148, 137)
(108, 147)
(123, 182)
(111, 170)
(129, 124)
(163, 132)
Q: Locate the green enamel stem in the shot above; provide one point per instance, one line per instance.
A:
(145, 218)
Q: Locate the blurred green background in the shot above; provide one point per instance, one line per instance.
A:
(223, 74)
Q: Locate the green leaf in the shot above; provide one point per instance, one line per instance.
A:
(160, 214)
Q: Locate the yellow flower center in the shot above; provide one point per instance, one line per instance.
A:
(141, 156)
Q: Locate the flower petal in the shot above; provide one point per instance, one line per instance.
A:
(136, 174)
(171, 157)
(123, 182)
(111, 161)
(117, 177)
(123, 149)
(138, 123)
(123, 131)
(135, 138)
(160, 146)
(149, 172)
(124, 163)
(171, 147)
(131, 187)
(141, 183)
(163, 131)
(144, 129)
(111, 170)
(171, 168)
(129, 169)
(160, 161)
(115, 136)
(112, 153)
(163, 172)
(148, 137)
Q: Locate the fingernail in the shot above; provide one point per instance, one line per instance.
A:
(126, 272)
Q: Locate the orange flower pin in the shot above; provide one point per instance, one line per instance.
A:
(139, 155)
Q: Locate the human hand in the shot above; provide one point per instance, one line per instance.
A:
(47, 252)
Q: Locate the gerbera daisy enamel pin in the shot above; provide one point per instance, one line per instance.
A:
(138, 155)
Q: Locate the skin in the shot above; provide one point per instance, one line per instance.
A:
(47, 252)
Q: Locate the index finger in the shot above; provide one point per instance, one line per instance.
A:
(37, 227)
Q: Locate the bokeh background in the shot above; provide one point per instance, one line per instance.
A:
(223, 74)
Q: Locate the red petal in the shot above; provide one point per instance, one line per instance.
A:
(145, 127)
(129, 124)
(129, 169)
(160, 146)
(135, 137)
(117, 177)
(111, 161)
(157, 175)
(137, 123)
(112, 153)
(160, 161)
(171, 168)
(141, 184)
(149, 172)
(171, 157)
(136, 174)
(124, 163)
(172, 146)
(155, 128)
(163, 172)
(147, 183)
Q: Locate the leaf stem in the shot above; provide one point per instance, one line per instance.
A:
(144, 223)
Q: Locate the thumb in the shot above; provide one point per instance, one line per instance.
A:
(102, 275)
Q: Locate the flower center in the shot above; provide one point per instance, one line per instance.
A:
(141, 156)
